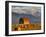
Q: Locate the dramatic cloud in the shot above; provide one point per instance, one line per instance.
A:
(26, 10)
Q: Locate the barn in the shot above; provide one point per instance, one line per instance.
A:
(24, 20)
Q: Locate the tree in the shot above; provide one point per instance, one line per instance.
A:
(21, 21)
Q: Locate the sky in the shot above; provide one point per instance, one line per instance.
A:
(34, 13)
(27, 10)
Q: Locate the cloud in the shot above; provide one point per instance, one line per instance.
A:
(26, 9)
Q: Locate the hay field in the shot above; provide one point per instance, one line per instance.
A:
(24, 27)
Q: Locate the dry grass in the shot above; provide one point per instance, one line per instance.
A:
(22, 27)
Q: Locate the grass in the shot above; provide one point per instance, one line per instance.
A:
(23, 27)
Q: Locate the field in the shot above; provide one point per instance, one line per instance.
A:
(24, 27)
